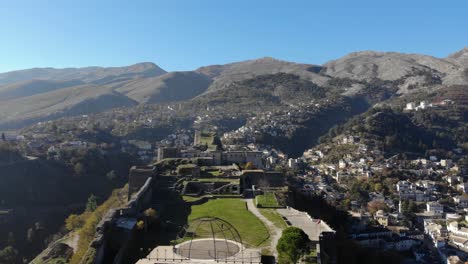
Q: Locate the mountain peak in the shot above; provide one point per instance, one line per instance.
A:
(145, 67)
(267, 58)
(459, 54)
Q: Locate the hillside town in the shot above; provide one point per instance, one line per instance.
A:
(415, 206)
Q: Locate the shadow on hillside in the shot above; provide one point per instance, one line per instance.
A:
(173, 214)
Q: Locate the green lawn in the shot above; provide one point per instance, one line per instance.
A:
(267, 200)
(215, 173)
(274, 217)
(227, 180)
(188, 198)
(191, 198)
(234, 211)
(208, 139)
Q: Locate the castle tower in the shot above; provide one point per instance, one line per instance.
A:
(196, 138)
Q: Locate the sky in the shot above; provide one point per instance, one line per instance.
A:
(184, 35)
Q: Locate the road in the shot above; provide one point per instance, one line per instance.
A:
(275, 232)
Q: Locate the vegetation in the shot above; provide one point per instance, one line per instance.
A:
(9, 154)
(345, 249)
(191, 198)
(88, 221)
(9, 255)
(234, 211)
(292, 245)
(398, 132)
(268, 199)
(274, 217)
(91, 205)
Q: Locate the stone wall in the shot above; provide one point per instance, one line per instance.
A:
(137, 202)
(137, 178)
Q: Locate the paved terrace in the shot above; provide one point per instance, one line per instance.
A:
(312, 227)
(168, 255)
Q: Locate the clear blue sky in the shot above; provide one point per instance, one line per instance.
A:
(183, 35)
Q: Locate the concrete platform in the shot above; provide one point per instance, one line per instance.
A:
(202, 252)
(312, 227)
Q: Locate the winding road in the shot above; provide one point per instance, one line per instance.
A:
(275, 232)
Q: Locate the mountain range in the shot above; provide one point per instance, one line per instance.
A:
(41, 94)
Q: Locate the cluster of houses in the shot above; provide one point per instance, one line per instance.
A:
(359, 162)
(274, 123)
(437, 190)
(412, 106)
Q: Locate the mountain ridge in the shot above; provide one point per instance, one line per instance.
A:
(23, 92)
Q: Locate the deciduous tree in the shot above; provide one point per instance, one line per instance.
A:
(292, 245)
(91, 205)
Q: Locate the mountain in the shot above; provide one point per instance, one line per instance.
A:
(87, 74)
(33, 87)
(174, 86)
(390, 66)
(42, 94)
(460, 57)
(224, 75)
(82, 99)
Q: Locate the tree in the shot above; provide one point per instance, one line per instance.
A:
(91, 205)
(9, 255)
(111, 175)
(140, 225)
(249, 166)
(73, 222)
(150, 216)
(292, 245)
(374, 206)
(79, 168)
(378, 187)
(409, 208)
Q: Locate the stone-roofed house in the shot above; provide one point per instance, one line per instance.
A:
(461, 201)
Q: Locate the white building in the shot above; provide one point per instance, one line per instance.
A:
(342, 164)
(423, 104)
(403, 186)
(410, 106)
(435, 207)
(446, 163)
(292, 163)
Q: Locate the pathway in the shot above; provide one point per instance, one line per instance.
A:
(275, 232)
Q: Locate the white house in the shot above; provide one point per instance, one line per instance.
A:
(435, 207)
(446, 163)
(292, 163)
(342, 164)
(403, 186)
(410, 106)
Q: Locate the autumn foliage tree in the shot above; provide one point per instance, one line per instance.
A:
(374, 206)
(249, 166)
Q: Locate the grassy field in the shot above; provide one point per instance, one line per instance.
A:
(191, 198)
(235, 181)
(208, 139)
(188, 198)
(274, 217)
(214, 173)
(234, 211)
(267, 200)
